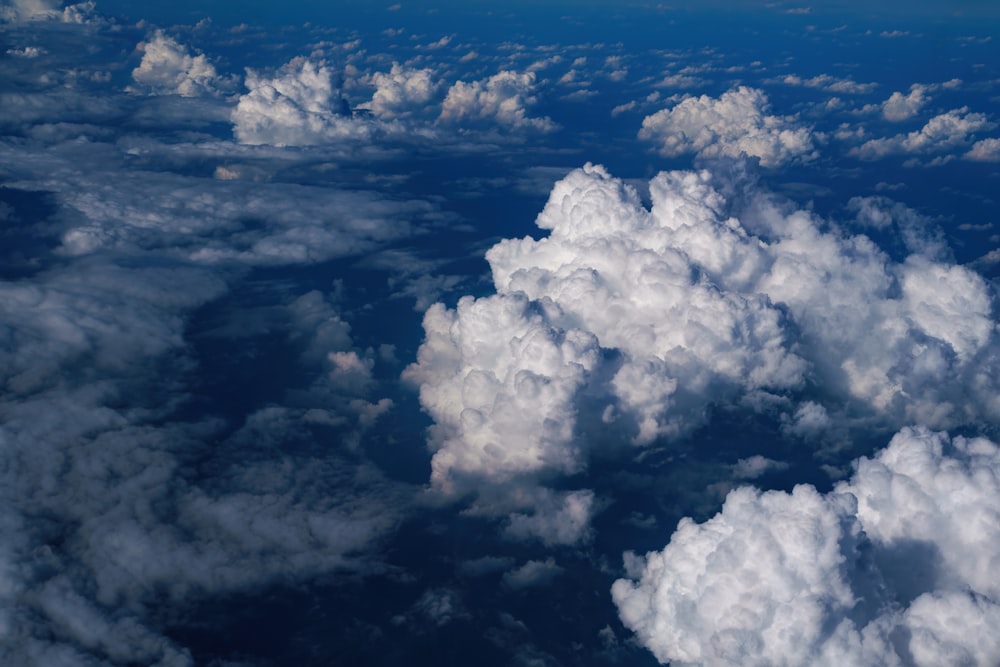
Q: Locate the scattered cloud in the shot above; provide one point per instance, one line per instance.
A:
(168, 68)
(830, 83)
(734, 124)
(984, 150)
(503, 97)
(401, 92)
(947, 131)
(297, 106)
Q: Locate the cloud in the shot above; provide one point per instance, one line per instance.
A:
(168, 68)
(531, 574)
(626, 323)
(42, 10)
(811, 578)
(918, 234)
(984, 150)
(503, 97)
(732, 125)
(944, 132)
(830, 83)
(903, 107)
(401, 92)
(297, 106)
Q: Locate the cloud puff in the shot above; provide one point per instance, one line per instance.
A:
(732, 125)
(168, 68)
(942, 133)
(630, 321)
(903, 107)
(297, 106)
(810, 578)
(504, 98)
(984, 150)
(401, 92)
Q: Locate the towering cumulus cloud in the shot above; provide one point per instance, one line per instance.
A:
(297, 106)
(168, 68)
(877, 572)
(504, 97)
(735, 124)
(630, 321)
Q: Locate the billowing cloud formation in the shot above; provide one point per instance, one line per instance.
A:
(634, 319)
(504, 98)
(169, 68)
(401, 92)
(893, 567)
(944, 132)
(297, 106)
(732, 125)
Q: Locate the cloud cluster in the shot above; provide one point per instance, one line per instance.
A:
(630, 321)
(734, 124)
(944, 132)
(401, 92)
(298, 105)
(168, 68)
(892, 567)
(503, 97)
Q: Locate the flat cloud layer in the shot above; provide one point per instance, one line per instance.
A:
(643, 316)
(734, 124)
(878, 571)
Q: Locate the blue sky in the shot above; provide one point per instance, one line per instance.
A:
(509, 334)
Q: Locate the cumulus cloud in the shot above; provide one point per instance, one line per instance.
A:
(892, 567)
(298, 105)
(947, 131)
(168, 68)
(735, 124)
(984, 150)
(903, 107)
(918, 234)
(630, 321)
(401, 92)
(503, 97)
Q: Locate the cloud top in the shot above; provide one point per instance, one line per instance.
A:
(889, 568)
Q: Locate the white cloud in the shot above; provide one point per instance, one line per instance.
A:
(297, 106)
(503, 97)
(401, 92)
(985, 150)
(903, 107)
(629, 321)
(732, 125)
(947, 131)
(168, 68)
(893, 567)
(830, 83)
